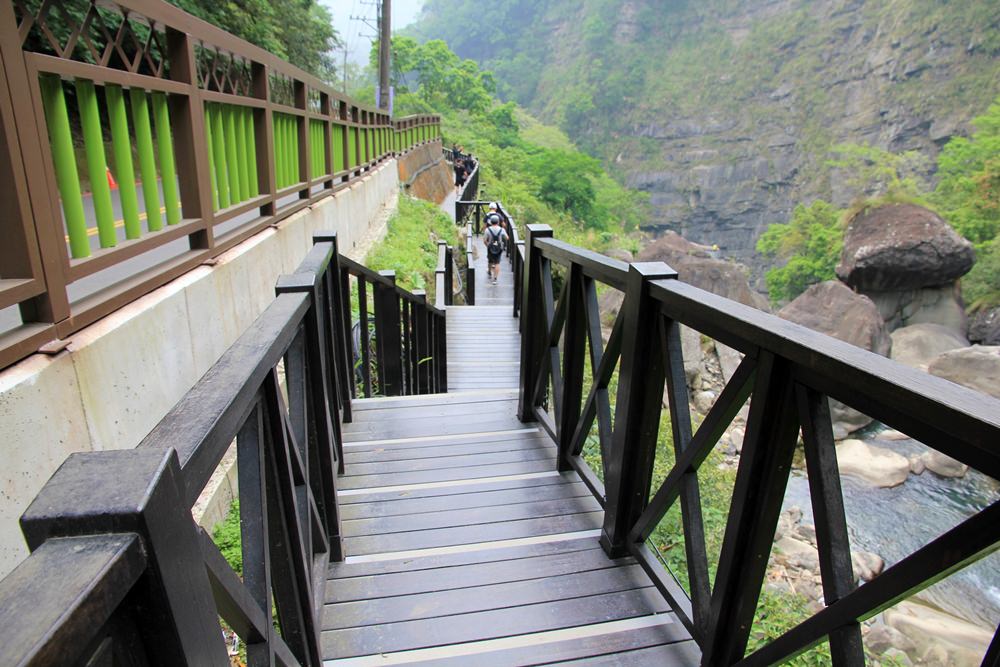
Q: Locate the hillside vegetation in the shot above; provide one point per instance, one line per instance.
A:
(726, 111)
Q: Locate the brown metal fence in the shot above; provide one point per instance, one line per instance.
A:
(227, 139)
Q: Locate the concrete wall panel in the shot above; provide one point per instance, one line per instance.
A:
(120, 376)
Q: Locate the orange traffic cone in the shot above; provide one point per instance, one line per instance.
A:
(111, 179)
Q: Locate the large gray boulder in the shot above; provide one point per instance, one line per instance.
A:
(984, 326)
(976, 367)
(901, 247)
(941, 304)
(832, 308)
(919, 344)
(695, 264)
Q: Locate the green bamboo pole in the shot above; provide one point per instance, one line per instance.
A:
(165, 150)
(337, 147)
(122, 145)
(64, 161)
(221, 165)
(286, 167)
(97, 166)
(251, 153)
(239, 125)
(147, 158)
(229, 136)
(352, 147)
(293, 130)
(281, 150)
(211, 156)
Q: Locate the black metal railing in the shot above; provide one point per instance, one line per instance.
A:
(399, 345)
(787, 373)
(120, 572)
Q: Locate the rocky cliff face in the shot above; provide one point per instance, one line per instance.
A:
(725, 111)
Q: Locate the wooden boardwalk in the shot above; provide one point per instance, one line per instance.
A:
(464, 544)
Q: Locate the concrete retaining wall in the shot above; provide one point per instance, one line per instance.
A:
(119, 377)
(425, 174)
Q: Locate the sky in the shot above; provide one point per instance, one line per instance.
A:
(356, 34)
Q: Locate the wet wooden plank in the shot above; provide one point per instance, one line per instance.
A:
(451, 474)
(469, 575)
(472, 534)
(482, 598)
(408, 635)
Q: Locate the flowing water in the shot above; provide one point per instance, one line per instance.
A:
(894, 523)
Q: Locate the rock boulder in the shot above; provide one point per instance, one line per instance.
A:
(832, 308)
(976, 367)
(878, 466)
(984, 326)
(919, 344)
(902, 246)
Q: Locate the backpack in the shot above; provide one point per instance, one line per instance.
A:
(495, 244)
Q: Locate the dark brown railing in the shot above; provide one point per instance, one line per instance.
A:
(470, 266)
(444, 276)
(401, 349)
(243, 140)
(119, 567)
(787, 373)
(465, 204)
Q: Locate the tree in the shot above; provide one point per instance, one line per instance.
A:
(968, 192)
(300, 31)
(811, 243)
(564, 182)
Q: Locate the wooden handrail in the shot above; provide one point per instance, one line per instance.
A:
(788, 372)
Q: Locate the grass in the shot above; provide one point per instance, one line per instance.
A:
(410, 247)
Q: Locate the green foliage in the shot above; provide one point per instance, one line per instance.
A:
(811, 243)
(981, 286)
(436, 76)
(228, 538)
(874, 170)
(968, 192)
(564, 182)
(300, 31)
(411, 244)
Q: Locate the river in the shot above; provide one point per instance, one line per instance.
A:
(894, 523)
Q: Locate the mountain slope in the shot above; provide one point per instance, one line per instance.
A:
(726, 110)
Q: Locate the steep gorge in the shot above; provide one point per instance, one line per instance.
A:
(726, 111)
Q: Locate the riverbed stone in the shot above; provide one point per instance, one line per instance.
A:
(939, 638)
(984, 326)
(867, 565)
(833, 309)
(942, 464)
(919, 344)
(882, 638)
(976, 367)
(877, 466)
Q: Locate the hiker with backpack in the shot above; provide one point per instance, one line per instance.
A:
(495, 239)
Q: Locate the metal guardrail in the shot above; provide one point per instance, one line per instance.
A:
(787, 373)
(444, 276)
(212, 139)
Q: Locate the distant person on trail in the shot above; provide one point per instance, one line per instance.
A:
(460, 173)
(495, 240)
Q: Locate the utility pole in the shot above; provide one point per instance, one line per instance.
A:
(384, 48)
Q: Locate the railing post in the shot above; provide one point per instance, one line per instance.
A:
(765, 462)
(422, 334)
(322, 396)
(470, 268)
(387, 335)
(449, 275)
(339, 326)
(179, 620)
(533, 344)
(190, 150)
(637, 408)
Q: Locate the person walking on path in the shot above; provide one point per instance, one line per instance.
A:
(495, 239)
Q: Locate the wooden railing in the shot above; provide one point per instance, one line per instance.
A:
(787, 372)
(466, 200)
(227, 140)
(444, 276)
(401, 348)
(515, 254)
(119, 567)
(470, 266)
